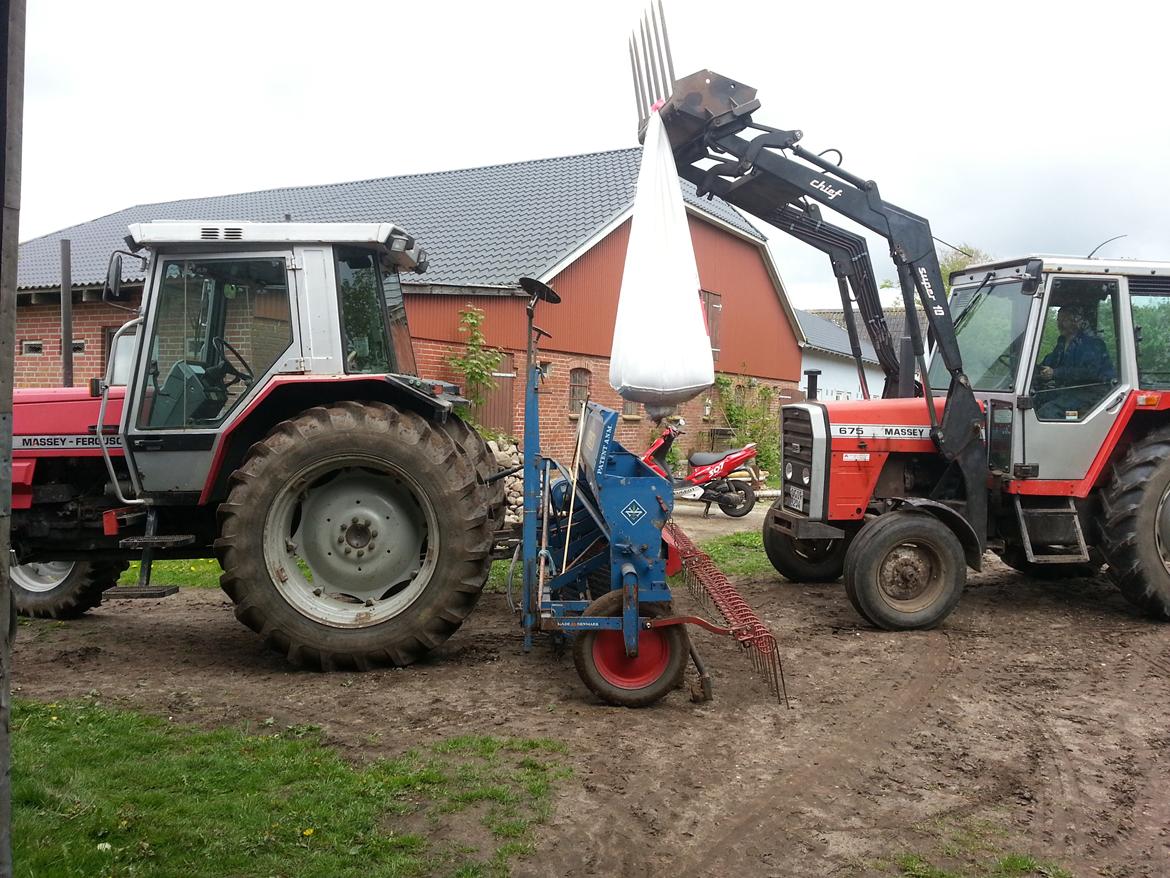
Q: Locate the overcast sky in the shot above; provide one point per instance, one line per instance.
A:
(1018, 127)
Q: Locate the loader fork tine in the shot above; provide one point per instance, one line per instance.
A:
(651, 63)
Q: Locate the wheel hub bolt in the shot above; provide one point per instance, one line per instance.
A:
(348, 550)
(353, 520)
(340, 540)
(360, 552)
(317, 592)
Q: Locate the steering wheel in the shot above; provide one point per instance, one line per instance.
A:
(223, 345)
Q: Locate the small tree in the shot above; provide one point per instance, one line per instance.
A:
(958, 258)
(478, 361)
(751, 416)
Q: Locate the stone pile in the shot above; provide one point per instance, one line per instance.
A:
(507, 456)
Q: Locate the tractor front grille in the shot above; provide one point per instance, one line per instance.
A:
(796, 446)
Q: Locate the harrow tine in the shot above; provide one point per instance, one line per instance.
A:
(666, 44)
(714, 592)
(639, 89)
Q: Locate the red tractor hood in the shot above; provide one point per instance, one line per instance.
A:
(62, 422)
(881, 420)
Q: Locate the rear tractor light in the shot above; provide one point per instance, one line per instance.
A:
(1149, 400)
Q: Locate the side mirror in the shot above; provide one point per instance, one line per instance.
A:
(1032, 277)
(113, 278)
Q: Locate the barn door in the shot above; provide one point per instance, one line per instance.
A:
(496, 413)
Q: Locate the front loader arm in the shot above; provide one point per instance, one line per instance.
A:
(763, 175)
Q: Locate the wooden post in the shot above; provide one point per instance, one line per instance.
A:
(11, 116)
(66, 315)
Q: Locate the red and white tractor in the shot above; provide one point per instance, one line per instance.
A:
(262, 407)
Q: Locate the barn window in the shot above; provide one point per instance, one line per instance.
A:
(79, 346)
(32, 347)
(631, 409)
(578, 388)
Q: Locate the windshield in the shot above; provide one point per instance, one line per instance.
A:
(989, 324)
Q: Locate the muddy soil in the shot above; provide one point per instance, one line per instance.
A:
(1040, 710)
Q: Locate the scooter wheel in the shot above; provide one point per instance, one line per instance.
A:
(740, 500)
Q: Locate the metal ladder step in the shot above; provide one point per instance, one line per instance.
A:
(166, 541)
(1080, 551)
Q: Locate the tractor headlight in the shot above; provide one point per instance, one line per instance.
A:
(805, 475)
(788, 471)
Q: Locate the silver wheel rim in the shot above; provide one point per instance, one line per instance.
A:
(1162, 529)
(39, 576)
(351, 542)
(911, 576)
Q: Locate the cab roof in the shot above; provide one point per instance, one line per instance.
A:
(1064, 265)
(388, 236)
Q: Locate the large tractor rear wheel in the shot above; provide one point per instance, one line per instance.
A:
(62, 589)
(905, 571)
(1137, 524)
(355, 535)
(473, 445)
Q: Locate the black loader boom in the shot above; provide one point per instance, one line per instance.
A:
(765, 172)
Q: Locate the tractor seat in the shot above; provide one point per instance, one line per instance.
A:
(705, 458)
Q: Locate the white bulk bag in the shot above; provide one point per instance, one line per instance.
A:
(661, 352)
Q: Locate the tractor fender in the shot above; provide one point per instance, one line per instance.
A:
(955, 521)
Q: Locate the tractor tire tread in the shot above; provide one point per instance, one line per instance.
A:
(458, 494)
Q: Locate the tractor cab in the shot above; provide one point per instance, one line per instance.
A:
(229, 310)
(1053, 348)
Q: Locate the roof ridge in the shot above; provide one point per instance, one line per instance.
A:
(366, 180)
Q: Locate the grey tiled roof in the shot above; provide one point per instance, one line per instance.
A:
(481, 226)
(825, 335)
(895, 320)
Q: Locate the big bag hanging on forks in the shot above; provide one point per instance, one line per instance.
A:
(661, 351)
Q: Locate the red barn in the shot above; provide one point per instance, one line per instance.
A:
(565, 221)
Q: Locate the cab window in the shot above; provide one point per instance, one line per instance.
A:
(220, 325)
(1077, 363)
(1149, 297)
(363, 318)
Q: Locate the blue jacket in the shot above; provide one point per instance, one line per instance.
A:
(1083, 359)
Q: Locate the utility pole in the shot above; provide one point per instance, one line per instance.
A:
(11, 117)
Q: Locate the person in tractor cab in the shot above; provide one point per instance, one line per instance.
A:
(1071, 376)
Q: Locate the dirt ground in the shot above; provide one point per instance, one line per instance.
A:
(1035, 721)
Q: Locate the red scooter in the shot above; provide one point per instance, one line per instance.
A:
(709, 477)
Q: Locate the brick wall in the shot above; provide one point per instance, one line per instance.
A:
(43, 323)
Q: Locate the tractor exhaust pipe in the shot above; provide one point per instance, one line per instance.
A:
(811, 375)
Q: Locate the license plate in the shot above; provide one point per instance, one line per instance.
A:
(795, 497)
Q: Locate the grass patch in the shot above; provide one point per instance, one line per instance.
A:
(970, 848)
(739, 554)
(106, 792)
(193, 573)
(204, 573)
(498, 576)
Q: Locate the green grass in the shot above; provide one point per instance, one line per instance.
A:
(195, 573)
(107, 792)
(739, 554)
(970, 848)
(204, 573)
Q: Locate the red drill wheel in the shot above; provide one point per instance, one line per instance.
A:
(631, 681)
(631, 672)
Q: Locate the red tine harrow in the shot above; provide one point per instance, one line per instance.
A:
(712, 589)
